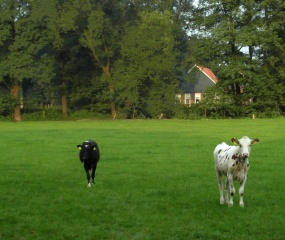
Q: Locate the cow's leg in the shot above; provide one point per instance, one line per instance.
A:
(220, 184)
(88, 176)
(93, 175)
(241, 191)
(232, 189)
(227, 190)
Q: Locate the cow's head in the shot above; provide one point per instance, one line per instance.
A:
(245, 145)
(86, 149)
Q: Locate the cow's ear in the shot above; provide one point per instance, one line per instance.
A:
(235, 141)
(255, 140)
(79, 147)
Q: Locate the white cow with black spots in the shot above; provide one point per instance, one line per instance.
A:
(233, 162)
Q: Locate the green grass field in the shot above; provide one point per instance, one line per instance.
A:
(155, 180)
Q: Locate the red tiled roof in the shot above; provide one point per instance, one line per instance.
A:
(208, 72)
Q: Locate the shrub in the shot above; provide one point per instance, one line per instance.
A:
(45, 114)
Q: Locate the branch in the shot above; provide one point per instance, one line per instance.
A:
(6, 84)
(89, 44)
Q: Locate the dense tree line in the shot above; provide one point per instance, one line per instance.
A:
(127, 58)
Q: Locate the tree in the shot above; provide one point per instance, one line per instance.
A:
(61, 19)
(102, 37)
(271, 53)
(20, 48)
(145, 81)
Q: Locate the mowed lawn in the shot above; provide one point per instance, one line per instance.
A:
(155, 180)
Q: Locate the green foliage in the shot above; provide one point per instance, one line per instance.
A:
(43, 115)
(6, 105)
(54, 114)
(21, 43)
(144, 78)
(85, 114)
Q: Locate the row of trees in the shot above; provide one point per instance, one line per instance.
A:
(128, 57)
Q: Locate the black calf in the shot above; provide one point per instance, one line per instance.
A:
(89, 155)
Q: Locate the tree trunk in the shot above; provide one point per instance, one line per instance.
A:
(15, 91)
(113, 106)
(107, 71)
(64, 105)
(113, 109)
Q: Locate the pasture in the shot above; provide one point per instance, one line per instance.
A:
(155, 180)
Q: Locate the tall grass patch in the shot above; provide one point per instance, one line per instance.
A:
(155, 180)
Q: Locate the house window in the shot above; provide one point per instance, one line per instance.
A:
(197, 97)
(187, 98)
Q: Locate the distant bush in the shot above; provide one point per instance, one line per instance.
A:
(55, 114)
(45, 114)
(269, 113)
(224, 111)
(194, 112)
(85, 114)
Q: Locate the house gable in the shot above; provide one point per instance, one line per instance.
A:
(200, 78)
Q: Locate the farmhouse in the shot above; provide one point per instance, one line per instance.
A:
(192, 91)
